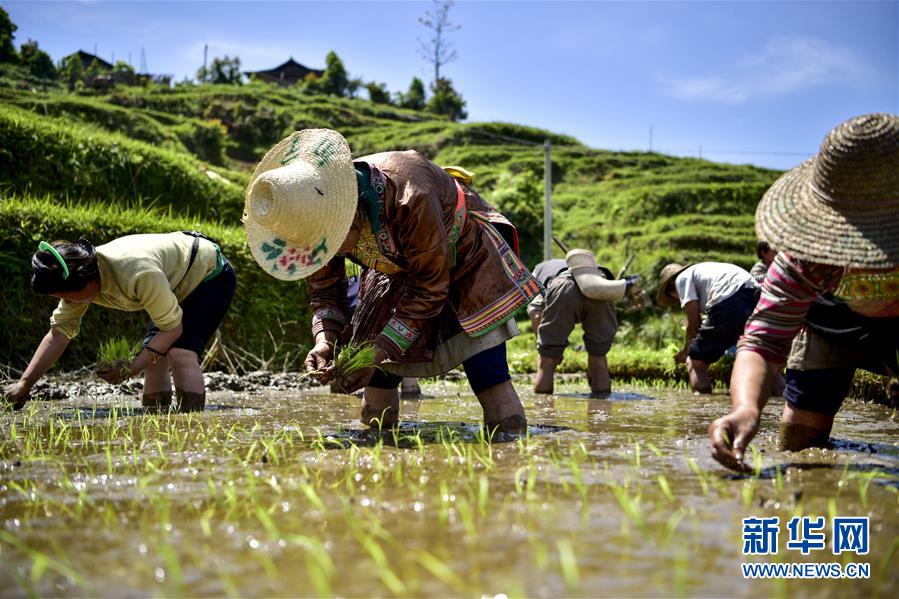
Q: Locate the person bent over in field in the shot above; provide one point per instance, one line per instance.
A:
(576, 290)
(717, 298)
(180, 279)
(442, 278)
(830, 302)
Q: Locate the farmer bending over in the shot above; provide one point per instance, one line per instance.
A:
(576, 290)
(717, 298)
(830, 303)
(180, 279)
(442, 281)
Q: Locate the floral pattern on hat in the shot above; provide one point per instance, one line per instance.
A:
(288, 258)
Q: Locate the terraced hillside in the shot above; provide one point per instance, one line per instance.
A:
(156, 159)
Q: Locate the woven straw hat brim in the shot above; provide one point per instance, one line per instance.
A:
(661, 298)
(792, 218)
(301, 250)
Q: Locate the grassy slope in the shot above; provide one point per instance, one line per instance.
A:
(153, 147)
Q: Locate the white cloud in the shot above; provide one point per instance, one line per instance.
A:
(786, 65)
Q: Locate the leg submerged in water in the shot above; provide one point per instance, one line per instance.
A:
(488, 375)
(503, 411)
(157, 394)
(190, 389)
(380, 408)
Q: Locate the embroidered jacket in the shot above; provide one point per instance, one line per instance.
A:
(419, 223)
(792, 285)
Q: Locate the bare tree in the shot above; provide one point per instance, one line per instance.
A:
(438, 50)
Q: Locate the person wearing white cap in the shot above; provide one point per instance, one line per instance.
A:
(830, 301)
(576, 290)
(442, 278)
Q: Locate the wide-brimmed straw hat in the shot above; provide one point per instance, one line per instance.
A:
(840, 207)
(668, 274)
(300, 203)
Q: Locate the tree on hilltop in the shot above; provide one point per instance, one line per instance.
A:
(7, 35)
(222, 71)
(414, 98)
(438, 50)
(334, 81)
(38, 62)
(447, 101)
(124, 73)
(377, 92)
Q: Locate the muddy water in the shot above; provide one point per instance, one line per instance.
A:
(279, 493)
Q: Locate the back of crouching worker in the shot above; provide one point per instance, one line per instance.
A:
(576, 290)
(180, 279)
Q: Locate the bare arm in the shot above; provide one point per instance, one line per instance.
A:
(694, 319)
(750, 387)
(161, 342)
(46, 354)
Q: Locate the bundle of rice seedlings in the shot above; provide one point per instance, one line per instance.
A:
(114, 350)
(352, 358)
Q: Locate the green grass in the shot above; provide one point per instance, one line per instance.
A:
(46, 155)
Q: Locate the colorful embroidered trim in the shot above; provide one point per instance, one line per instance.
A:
(867, 287)
(402, 335)
(367, 253)
(526, 288)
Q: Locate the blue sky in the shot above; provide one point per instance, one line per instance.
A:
(758, 82)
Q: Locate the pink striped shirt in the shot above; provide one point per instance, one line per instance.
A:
(789, 290)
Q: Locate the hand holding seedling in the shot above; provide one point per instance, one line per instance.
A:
(730, 435)
(14, 396)
(318, 358)
(117, 373)
(114, 360)
(355, 372)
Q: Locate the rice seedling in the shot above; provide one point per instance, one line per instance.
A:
(351, 358)
(115, 351)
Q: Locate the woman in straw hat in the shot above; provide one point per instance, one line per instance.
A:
(832, 290)
(441, 280)
(181, 280)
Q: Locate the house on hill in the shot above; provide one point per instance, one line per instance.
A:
(87, 59)
(286, 74)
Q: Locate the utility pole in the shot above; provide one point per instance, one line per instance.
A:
(547, 206)
(650, 138)
(205, 55)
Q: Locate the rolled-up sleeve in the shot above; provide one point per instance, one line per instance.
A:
(154, 292)
(67, 318)
(788, 291)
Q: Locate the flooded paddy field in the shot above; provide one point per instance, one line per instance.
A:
(281, 493)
